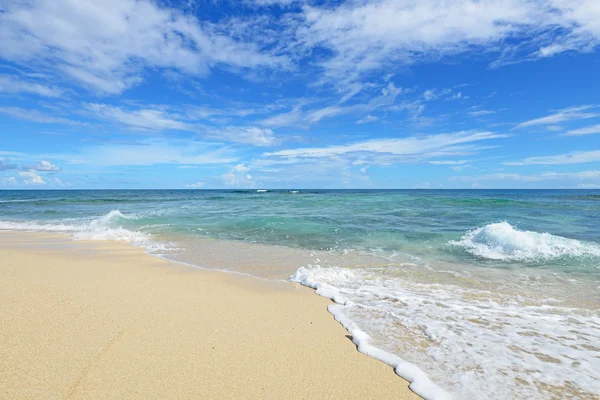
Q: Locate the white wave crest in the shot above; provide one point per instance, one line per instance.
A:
(501, 241)
(106, 227)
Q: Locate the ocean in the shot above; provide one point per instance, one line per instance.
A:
(469, 293)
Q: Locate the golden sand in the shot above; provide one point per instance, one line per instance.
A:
(83, 320)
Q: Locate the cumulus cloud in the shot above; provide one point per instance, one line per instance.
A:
(31, 178)
(197, 185)
(46, 166)
(41, 166)
(364, 36)
(358, 37)
(234, 179)
(241, 168)
(105, 45)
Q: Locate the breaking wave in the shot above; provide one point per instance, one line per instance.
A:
(107, 227)
(502, 241)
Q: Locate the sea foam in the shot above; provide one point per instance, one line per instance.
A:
(419, 382)
(502, 241)
(105, 227)
(471, 343)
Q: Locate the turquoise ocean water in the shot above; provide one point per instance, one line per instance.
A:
(472, 293)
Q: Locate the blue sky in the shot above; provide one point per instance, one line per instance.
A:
(300, 94)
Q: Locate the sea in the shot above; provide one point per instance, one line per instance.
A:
(468, 294)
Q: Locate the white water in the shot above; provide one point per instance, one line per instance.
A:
(106, 227)
(471, 342)
(501, 241)
(467, 340)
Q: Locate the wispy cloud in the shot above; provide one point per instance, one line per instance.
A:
(577, 176)
(480, 113)
(588, 130)
(449, 162)
(578, 157)
(38, 116)
(409, 149)
(145, 119)
(159, 118)
(564, 115)
(385, 99)
(155, 151)
(14, 85)
(243, 134)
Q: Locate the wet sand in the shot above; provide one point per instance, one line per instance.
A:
(104, 320)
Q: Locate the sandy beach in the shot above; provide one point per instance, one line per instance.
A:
(104, 320)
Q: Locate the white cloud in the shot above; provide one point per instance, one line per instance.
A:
(158, 119)
(6, 165)
(365, 36)
(409, 149)
(367, 119)
(197, 185)
(37, 116)
(31, 178)
(13, 84)
(449, 162)
(244, 135)
(104, 45)
(234, 179)
(241, 168)
(578, 157)
(57, 182)
(564, 115)
(9, 181)
(146, 119)
(150, 152)
(460, 167)
(46, 166)
(581, 20)
(577, 176)
(588, 130)
(384, 100)
(280, 3)
(480, 113)
(107, 45)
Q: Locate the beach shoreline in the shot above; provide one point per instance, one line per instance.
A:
(105, 320)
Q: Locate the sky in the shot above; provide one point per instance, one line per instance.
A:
(207, 94)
